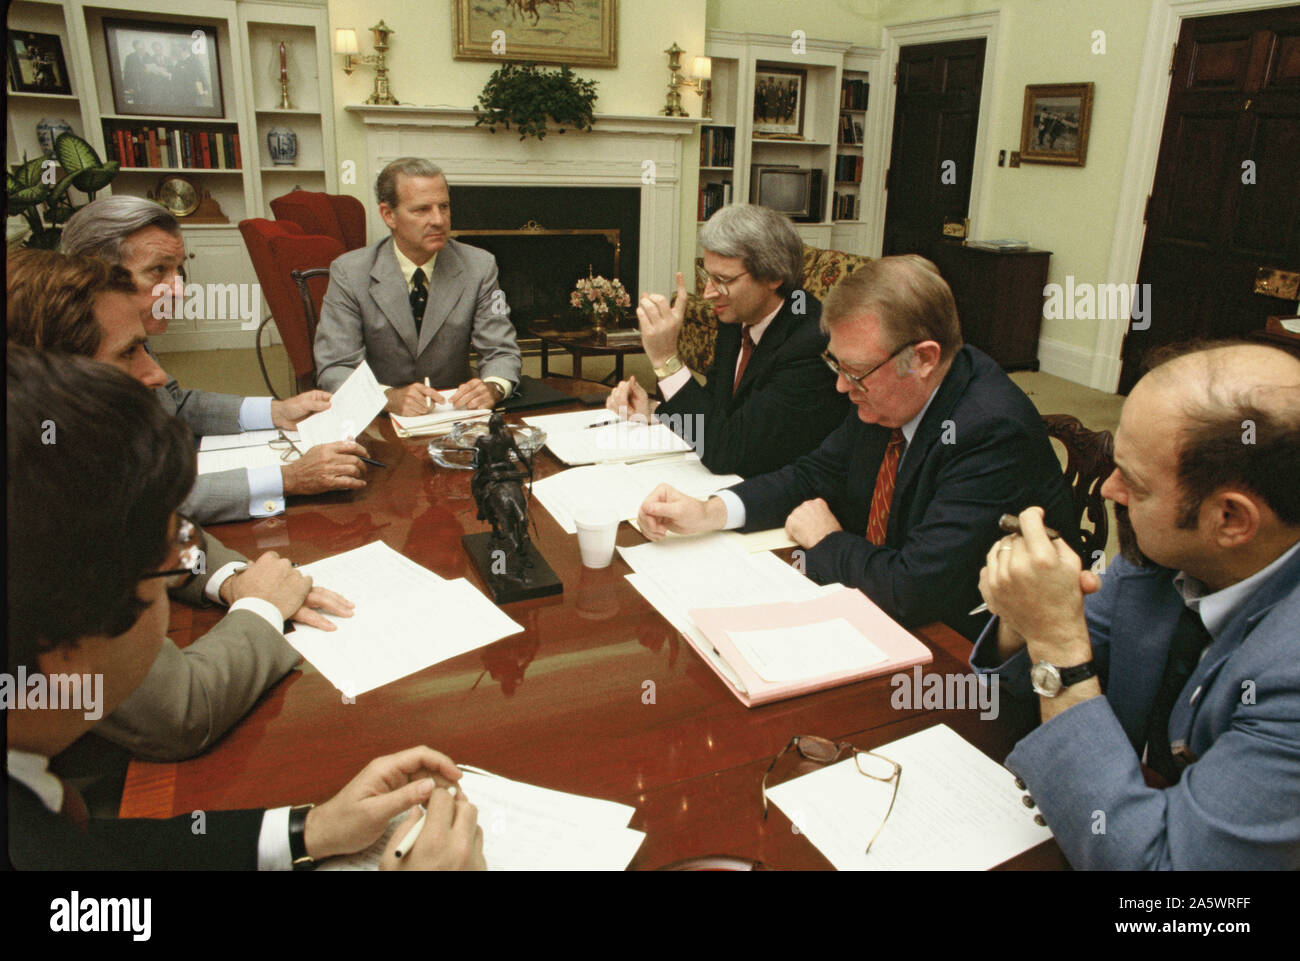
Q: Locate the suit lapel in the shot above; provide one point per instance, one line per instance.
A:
(388, 290)
(1135, 669)
(445, 292)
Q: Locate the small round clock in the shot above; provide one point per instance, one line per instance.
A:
(178, 195)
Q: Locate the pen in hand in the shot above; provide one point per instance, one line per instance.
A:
(428, 401)
(408, 842)
(1010, 524)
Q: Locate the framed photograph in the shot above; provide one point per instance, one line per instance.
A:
(164, 69)
(778, 102)
(36, 63)
(573, 32)
(1054, 129)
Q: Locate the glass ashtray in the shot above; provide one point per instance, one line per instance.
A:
(456, 449)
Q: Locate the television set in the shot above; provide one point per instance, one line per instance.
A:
(785, 188)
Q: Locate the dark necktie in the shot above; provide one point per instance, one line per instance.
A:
(883, 493)
(746, 352)
(419, 297)
(1189, 640)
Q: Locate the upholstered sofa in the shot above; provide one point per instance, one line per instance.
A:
(822, 270)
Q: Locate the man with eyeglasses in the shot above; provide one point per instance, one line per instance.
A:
(114, 474)
(768, 397)
(903, 499)
(63, 304)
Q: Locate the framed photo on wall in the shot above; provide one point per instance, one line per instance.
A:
(164, 69)
(778, 102)
(1054, 128)
(36, 63)
(573, 32)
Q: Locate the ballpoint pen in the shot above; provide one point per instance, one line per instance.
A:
(1010, 524)
(428, 401)
(408, 842)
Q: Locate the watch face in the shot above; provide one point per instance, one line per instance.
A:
(178, 195)
(1046, 679)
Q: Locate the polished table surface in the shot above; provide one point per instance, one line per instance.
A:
(561, 705)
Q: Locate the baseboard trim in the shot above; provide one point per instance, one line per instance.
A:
(1065, 360)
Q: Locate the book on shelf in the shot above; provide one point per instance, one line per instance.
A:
(164, 147)
(717, 145)
(853, 94)
(713, 197)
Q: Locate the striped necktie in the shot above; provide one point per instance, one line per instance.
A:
(878, 519)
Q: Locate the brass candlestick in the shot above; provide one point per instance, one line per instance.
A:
(699, 83)
(381, 94)
(284, 80)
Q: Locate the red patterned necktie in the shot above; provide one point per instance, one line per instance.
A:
(878, 520)
(746, 352)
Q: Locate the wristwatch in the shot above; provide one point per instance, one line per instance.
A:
(302, 861)
(671, 366)
(1050, 680)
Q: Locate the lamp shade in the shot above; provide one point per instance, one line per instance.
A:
(702, 68)
(345, 41)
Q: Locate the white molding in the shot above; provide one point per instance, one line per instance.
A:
(1064, 360)
(895, 36)
(463, 117)
(1140, 166)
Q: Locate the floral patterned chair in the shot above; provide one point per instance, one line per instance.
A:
(822, 270)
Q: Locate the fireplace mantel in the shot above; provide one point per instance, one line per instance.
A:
(621, 150)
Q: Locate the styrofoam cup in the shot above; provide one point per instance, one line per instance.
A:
(597, 530)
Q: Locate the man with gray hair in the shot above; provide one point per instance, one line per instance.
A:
(144, 238)
(412, 304)
(902, 500)
(768, 397)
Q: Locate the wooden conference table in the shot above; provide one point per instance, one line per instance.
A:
(560, 705)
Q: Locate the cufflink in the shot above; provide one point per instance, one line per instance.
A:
(269, 506)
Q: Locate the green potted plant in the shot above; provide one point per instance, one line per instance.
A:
(35, 184)
(528, 97)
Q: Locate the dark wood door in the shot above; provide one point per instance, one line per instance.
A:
(1233, 117)
(936, 113)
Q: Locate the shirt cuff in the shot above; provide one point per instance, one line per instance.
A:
(501, 382)
(674, 382)
(735, 509)
(255, 414)
(212, 589)
(263, 609)
(265, 491)
(273, 841)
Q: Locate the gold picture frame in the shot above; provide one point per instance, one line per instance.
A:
(1054, 126)
(573, 32)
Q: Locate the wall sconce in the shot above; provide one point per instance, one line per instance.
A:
(345, 42)
(700, 82)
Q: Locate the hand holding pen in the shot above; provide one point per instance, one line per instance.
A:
(1010, 524)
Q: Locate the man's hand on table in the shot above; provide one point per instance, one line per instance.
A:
(629, 400)
(660, 323)
(326, 467)
(286, 414)
(412, 400)
(810, 522)
(266, 576)
(668, 510)
(358, 815)
(475, 394)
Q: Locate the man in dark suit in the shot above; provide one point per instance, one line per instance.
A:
(903, 499)
(768, 397)
(93, 460)
(1170, 696)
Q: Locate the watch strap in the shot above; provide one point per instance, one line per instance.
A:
(671, 366)
(302, 861)
(1080, 672)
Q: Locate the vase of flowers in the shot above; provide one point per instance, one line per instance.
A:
(600, 301)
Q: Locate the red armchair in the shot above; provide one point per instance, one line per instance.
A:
(333, 215)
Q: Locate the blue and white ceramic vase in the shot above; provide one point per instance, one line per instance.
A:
(283, 144)
(48, 131)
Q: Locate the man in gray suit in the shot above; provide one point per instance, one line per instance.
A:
(145, 239)
(412, 304)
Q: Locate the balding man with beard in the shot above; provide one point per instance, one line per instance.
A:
(1170, 696)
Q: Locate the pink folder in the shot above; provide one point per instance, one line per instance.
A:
(901, 649)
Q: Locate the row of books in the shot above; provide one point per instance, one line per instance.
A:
(853, 94)
(844, 206)
(149, 146)
(713, 197)
(850, 130)
(717, 146)
(848, 168)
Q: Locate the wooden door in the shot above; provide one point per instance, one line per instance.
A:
(936, 114)
(1226, 198)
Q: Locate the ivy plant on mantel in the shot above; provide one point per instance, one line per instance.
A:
(528, 97)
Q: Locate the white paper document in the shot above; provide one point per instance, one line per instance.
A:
(438, 420)
(957, 810)
(242, 458)
(573, 438)
(352, 407)
(529, 828)
(407, 618)
(248, 438)
(809, 650)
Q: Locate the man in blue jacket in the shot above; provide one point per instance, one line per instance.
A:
(1170, 698)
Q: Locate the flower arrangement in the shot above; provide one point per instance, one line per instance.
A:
(599, 300)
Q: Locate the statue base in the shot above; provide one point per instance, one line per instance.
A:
(490, 559)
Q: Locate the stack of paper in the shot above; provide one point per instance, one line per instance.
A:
(407, 618)
(622, 488)
(219, 452)
(575, 439)
(351, 409)
(527, 828)
(956, 809)
(439, 419)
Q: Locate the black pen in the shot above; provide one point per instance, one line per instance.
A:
(603, 423)
(1010, 524)
(371, 461)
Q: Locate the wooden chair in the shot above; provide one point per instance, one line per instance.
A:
(1090, 459)
(311, 295)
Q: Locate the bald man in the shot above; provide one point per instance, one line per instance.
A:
(1170, 697)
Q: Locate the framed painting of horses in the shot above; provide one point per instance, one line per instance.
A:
(574, 32)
